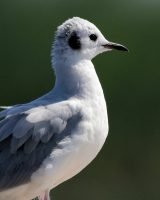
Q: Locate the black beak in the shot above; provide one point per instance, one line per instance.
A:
(111, 45)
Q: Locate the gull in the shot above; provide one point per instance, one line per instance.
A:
(51, 139)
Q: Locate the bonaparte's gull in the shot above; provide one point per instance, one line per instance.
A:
(49, 140)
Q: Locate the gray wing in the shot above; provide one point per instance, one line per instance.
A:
(27, 138)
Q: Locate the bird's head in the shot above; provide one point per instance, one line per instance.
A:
(80, 39)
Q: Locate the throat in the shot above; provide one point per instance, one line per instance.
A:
(78, 78)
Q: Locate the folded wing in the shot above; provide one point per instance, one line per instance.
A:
(28, 136)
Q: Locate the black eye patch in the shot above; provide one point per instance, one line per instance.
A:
(93, 37)
(74, 41)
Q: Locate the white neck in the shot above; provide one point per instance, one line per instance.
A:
(76, 77)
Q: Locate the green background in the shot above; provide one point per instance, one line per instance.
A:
(128, 167)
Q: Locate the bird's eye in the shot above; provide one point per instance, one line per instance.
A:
(93, 37)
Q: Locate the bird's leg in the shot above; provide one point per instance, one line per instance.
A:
(47, 197)
(44, 196)
(41, 196)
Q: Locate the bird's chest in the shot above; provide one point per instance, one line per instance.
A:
(77, 150)
(88, 137)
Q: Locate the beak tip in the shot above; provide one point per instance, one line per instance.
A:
(126, 49)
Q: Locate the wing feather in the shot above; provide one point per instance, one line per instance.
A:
(22, 127)
(30, 146)
(16, 143)
(7, 126)
(40, 130)
(28, 135)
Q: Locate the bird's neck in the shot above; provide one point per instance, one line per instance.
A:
(76, 78)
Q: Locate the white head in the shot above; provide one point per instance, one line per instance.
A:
(81, 39)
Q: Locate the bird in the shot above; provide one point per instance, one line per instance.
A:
(47, 141)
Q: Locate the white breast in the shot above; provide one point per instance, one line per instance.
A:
(77, 151)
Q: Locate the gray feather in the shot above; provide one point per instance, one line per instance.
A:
(58, 124)
(22, 127)
(2, 122)
(3, 114)
(40, 129)
(17, 143)
(24, 144)
(30, 145)
(7, 127)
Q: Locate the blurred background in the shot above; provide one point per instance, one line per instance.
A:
(128, 166)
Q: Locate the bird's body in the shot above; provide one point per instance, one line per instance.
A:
(51, 139)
